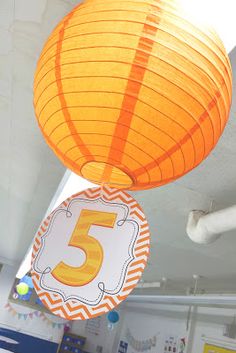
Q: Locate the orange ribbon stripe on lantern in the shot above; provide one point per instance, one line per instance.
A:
(130, 93)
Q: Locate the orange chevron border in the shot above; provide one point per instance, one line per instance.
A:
(75, 310)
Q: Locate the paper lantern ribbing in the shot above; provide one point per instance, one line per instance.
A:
(131, 93)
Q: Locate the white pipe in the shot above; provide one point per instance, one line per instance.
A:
(203, 228)
(199, 300)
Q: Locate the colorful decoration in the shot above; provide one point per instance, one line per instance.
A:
(132, 94)
(22, 288)
(101, 239)
(113, 317)
(171, 343)
(110, 326)
(123, 347)
(15, 295)
(33, 314)
(28, 280)
(140, 345)
(93, 326)
(67, 328)
(182, 345)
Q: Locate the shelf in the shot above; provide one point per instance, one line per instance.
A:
(70, 344)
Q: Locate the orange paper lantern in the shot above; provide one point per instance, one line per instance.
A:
(130, 93)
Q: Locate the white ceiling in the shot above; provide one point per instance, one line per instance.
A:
(30, 173)
(210, 186)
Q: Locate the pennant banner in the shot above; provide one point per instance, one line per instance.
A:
(38, 314)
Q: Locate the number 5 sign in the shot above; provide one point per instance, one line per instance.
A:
(90, 253)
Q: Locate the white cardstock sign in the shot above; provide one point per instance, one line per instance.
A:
(89, 254)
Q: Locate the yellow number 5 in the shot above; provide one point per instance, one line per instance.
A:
(80, 276)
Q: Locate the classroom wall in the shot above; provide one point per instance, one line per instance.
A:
(170, 324)
(208, 325)
(97, 334)
(138, 323)
(35, 326)
(151, 329)
(38, 328)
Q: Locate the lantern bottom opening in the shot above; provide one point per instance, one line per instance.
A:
(104, 173)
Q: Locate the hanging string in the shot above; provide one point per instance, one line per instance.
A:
(102, 190)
